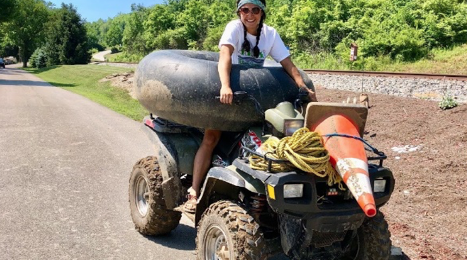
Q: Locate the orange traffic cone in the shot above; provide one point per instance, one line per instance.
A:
(347, 156)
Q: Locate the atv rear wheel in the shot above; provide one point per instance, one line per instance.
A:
(227, 231)
(374, 240)
(147, 204)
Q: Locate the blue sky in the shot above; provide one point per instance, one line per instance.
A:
(92, 10)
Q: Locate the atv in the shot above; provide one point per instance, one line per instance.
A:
(246, 213)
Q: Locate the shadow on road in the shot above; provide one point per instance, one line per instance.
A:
(40, 70)
(63, 85)
(182, 238)
(28, 83)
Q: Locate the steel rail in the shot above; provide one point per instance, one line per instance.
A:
(388, 74)
(359, 73)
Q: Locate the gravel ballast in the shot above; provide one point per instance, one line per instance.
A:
(430, 89)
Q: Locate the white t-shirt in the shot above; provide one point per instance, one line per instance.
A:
(270, 43)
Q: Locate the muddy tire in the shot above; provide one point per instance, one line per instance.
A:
(147, 205)
(227, 231)
(374, 239)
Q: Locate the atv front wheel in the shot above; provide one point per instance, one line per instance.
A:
(147, 204)
(227, 231)
(373, 241)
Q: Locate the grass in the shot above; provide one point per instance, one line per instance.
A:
(441, 61)
(123, 57)
(112, 56)
(84, 80)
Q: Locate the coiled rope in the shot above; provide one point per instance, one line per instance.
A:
(302, 150)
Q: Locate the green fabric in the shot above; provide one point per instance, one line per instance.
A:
(255, 2)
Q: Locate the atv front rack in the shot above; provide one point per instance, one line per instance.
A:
(380, 156)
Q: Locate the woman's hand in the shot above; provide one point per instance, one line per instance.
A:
(311, 93)
(292, 70)
(226, 95)
(224, 68)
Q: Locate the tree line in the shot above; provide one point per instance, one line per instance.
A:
(401, 30)
(36, 29)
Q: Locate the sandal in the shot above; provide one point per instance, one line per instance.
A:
(190, 204)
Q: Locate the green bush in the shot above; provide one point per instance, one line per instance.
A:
(114, 50)
(125, 57)
(32, 59)
(170, 39)
(447, 102)
(38, 59)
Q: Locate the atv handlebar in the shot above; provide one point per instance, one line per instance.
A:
(303, 95)
(239, 96)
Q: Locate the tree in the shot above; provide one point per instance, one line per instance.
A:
(133, 40)
(219, 14)
(195, 22)
(159, 21)
(95, 37)
(404, 30)
(7, 8)
(67, 42)
(114, 34)
(25, 29)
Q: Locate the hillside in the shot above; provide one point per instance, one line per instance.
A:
(451, 61)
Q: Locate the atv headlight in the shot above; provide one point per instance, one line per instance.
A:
(379, 185)
(292, 125)
(293, 191)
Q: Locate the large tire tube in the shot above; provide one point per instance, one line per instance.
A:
(181, 86)
(147, 205)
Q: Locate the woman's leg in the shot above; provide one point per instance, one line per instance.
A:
(203, 158)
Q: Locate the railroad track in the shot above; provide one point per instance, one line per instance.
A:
(389, 74)
(350, 72)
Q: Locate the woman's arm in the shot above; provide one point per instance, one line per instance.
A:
(292, 70)
(224, 68)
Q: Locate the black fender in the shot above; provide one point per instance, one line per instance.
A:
(172, 160)
(226, 182)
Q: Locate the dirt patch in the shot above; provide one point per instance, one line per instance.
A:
(122, 80)
(427, 152)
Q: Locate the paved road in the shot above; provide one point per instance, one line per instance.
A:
(64, 168)
(100, 56)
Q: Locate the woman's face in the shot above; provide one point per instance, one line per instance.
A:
(250, 15)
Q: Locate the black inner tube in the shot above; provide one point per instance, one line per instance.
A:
(181, 86)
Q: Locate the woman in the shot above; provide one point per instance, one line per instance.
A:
(245, 41)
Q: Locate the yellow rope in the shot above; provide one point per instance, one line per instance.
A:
(302, 150)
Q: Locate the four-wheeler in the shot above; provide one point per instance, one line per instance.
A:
(247, 213)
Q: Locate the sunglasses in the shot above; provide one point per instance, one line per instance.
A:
(246, 10)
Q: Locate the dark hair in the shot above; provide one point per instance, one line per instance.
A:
(246, 44)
